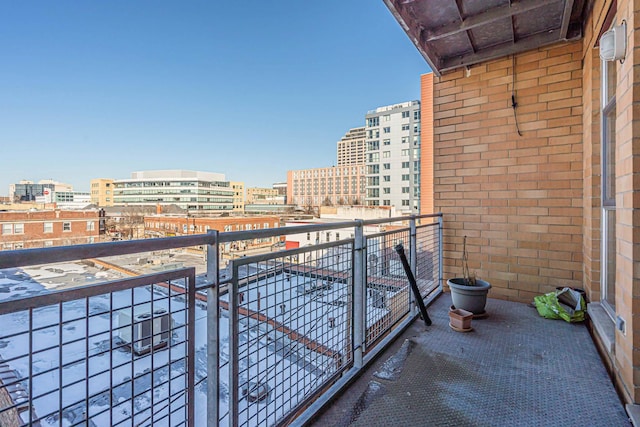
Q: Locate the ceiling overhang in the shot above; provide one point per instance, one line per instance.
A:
(458, 33)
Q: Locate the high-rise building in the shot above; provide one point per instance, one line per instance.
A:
(393, 157)
(102, 192)
(351, 148)
(341, 185)
(191, 190)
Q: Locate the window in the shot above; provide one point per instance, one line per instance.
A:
(386, 178)
(373, 157)
(91, 226)
(48, 227)
(405, 164)
(373, 121)
(337, 236)
(386, 130)
(227, 228)
(373, 145)
(66, 226)
(405, 177)
(386, 166)
(7, 228)
(404, 152)
(308, 236)
(386, 190)
(406, 126)
(405, 190)
(405, 139)
(405, 114)
(405, 203)
(18, 228)
(608, 185)
(386, 117)
(416, 115)
(373, 180)
(386, 154)
(386, 142)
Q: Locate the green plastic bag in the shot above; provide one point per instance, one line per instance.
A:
(566, 304)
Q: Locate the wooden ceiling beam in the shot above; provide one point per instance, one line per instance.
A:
(488, 16)
(566, 18)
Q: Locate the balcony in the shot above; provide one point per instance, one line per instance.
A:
(274, 338)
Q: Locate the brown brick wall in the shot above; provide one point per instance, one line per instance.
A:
(517, 198)
(426, 144)
(34, 235)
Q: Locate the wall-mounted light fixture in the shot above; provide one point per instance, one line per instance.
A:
(613, 43)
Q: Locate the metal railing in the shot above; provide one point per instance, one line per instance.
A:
(268, 344)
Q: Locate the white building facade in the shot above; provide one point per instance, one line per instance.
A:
(191, 190)
(393, 157)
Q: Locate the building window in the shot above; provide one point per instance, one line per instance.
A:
(308, 236)
(405, 203)
(416, 115)
(7, 228)
(405, 190)
(405, 114)
(405, 164)
(608, 183)
(405, 177)
(405, 126)
(48, 227)
(405, 139)
(386, 154)
(66, 226)
(386, 202)
(386, 130)
(91, 226)
(386, 166)
(386, 190)
(386, 178)
(18, 228)
(386, 142)
(386, 117)
(404, 152)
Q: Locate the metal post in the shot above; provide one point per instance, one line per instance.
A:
(191, 348)
(233, 348)
(213, 331)
(413, 243)
(359, 286)
(440, 253)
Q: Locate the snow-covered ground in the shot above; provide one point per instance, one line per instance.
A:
(78, 360)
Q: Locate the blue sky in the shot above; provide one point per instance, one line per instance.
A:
(251, 89)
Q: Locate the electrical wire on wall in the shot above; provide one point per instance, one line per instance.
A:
(514, 104)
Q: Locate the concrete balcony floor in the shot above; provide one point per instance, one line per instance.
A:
(514, 368)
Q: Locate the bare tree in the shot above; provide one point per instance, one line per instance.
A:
(327, 201)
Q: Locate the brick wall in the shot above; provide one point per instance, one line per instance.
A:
(426, 144)
(517, 198)
(34, 235)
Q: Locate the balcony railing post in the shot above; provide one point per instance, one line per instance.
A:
(359, 294)
(213, 331)
(440, 253)
(191, 348)
(413, 243)
(234, 341)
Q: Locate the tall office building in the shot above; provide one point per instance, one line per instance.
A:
(238, 196)
(191, 190)
(393, 157)
(351, 148)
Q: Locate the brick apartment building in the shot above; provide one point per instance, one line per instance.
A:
(546, 191)
(338, 185)
(172, 225)
(41, 229)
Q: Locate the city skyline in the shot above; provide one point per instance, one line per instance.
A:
(104, 90)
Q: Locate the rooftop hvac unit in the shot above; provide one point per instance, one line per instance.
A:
(146, 331)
